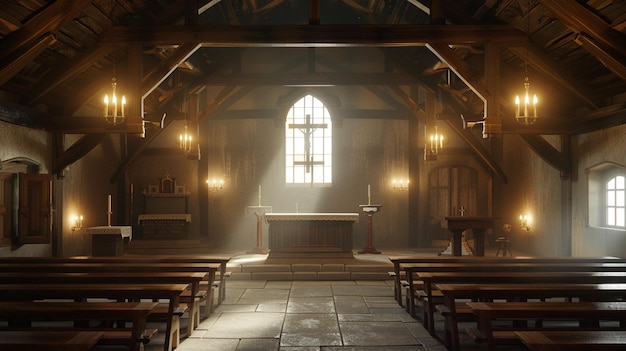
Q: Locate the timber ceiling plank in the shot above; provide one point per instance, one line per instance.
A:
(15, 64)
(68, 71)
(593, 33)
(46, 21)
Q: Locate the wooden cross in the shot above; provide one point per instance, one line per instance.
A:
(308, 129)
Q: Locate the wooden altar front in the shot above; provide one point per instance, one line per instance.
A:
(311, 234)
(109, 240)
(164, 225)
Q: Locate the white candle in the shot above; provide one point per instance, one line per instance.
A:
(109, 204)
(259, 194)
(297, 209)
(369, 195)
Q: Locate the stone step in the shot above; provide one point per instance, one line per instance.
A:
(310, 271)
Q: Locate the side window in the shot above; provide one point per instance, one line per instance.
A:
(615, 209)
(606, 185)
(308, 143)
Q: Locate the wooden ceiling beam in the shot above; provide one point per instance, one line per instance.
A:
(15, 64)
(163, 70)
(581, 20)
(79, 149)
(545, 65)
(68, 71)
(479, 150)
(315, 35)
(305, 79)
(47, 21)
(548, 153)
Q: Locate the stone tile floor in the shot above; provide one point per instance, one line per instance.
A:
(307, 316)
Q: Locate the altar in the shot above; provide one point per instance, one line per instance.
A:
(311, 234)
(164, 225)
(109, 240)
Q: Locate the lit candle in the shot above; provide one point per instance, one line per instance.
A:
(123, 103)
(114, 100)
(106, 105)
(369, 195)
(517, 106)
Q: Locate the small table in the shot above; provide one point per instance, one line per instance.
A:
(109, 240)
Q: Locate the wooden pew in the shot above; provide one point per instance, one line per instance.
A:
(23, 340)
(20, 314)
(399, 260)
(454, 292)
(220, 259)
(567, 265)
(98, 266)
(573, 340)
(487, 312)
(430, 279)
(119, 277)
(30, 292)
(219, 283)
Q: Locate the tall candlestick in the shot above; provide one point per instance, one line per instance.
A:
(369, 195)
(259, 195)
(109, 210)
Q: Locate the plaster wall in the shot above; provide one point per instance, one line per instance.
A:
(589, 150)
(33, 144)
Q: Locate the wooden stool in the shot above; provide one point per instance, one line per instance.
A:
(504, 246)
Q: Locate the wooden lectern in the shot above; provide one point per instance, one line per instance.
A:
(458, 224)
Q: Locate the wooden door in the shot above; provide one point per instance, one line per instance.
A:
(6, 208)
(35, 208)
(451, 188)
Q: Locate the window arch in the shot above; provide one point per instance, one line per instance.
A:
(607, 196)
(308, 143)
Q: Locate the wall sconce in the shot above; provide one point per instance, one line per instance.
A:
(215, 184)
(401, 185)
(78, 223)
(524, 221)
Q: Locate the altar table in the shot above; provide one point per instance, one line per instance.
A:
(311, 234)
(164, 226)
(109, 240)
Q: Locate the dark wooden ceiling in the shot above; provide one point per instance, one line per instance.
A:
(57, 57)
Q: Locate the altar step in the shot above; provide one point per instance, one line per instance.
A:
(351, 270)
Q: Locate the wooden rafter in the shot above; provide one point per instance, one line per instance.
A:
(548, 153)
(479, 150)
(46, 21)
(315, 36)
(21, 59)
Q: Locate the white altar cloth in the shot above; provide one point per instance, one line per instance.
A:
(352, 217)
(123, 231)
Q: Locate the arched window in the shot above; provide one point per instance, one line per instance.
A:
(615, 206)
(607, 196)
(308, 143)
